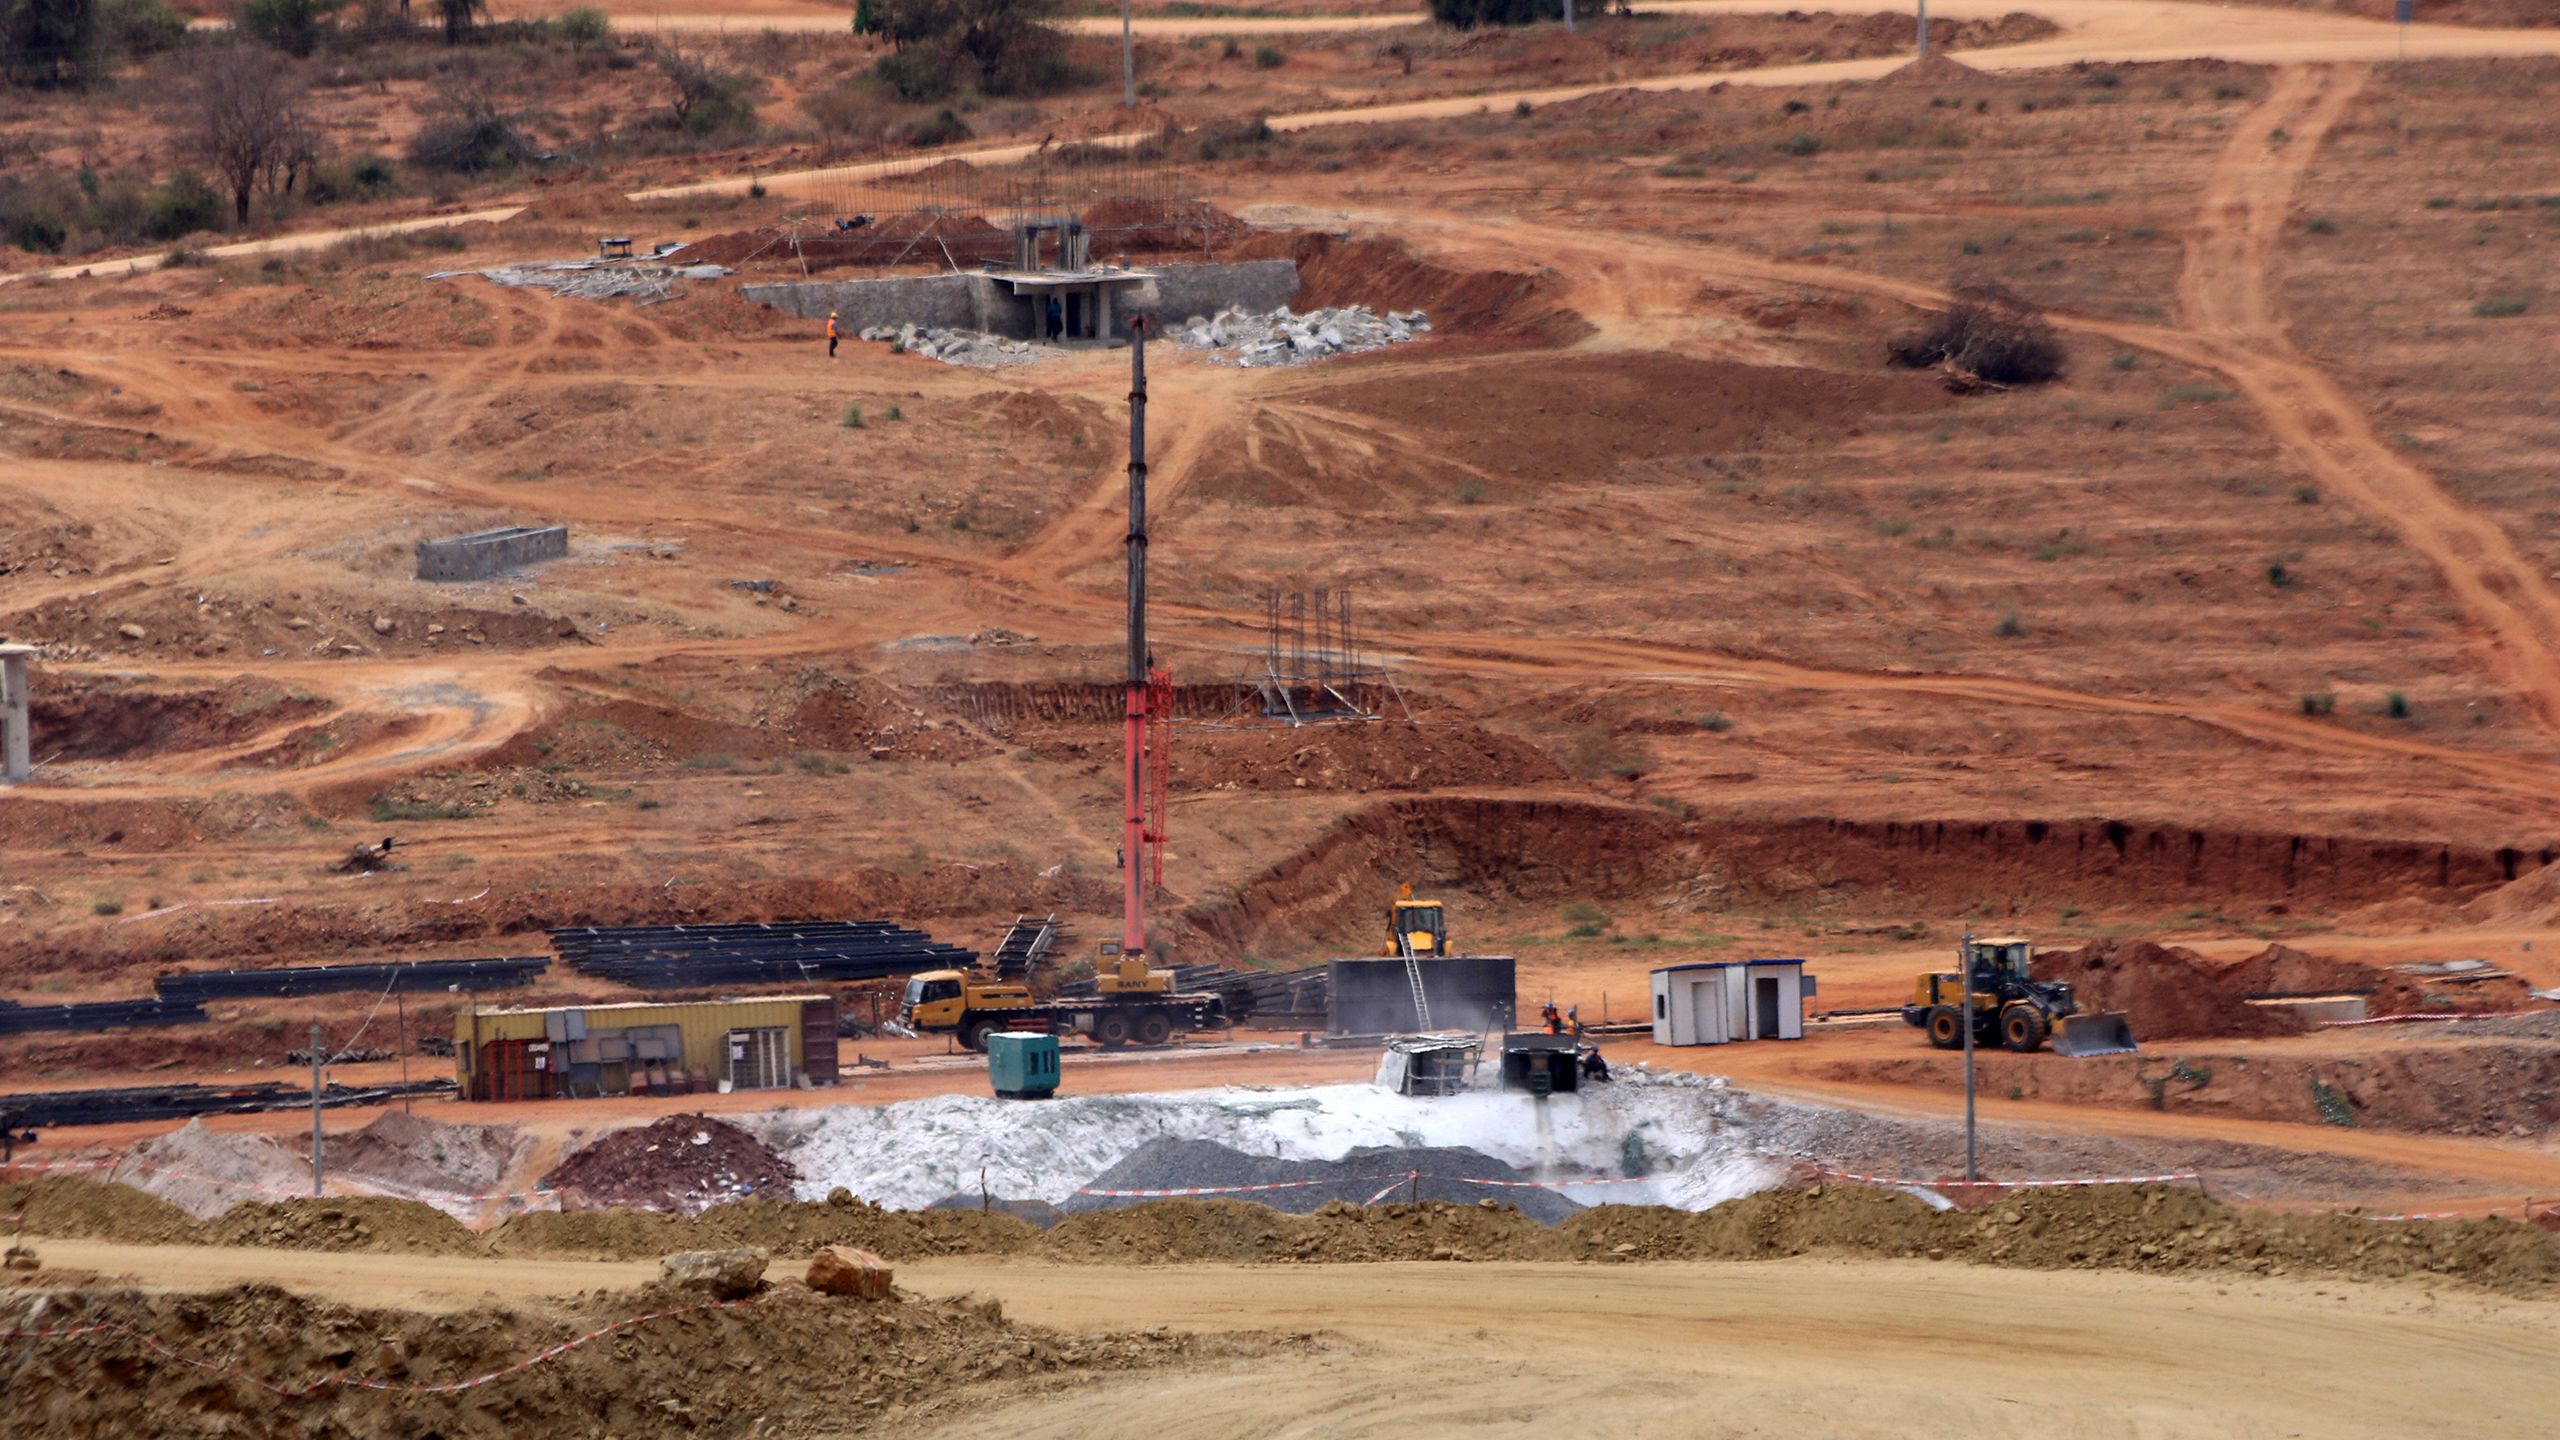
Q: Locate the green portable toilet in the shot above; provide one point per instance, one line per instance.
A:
(1023, 1066)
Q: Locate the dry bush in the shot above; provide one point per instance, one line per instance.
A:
(1991, 333)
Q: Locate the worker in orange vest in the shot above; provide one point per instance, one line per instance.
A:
(1554, 1021)
(832, 337)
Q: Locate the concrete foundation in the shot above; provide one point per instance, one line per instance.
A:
(475, 557)
(14, 760)
(978, 301)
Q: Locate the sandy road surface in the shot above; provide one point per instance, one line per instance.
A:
(2112, 31)
(1797, 1347)
(276, 245)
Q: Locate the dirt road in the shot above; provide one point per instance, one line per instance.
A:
(1849, 1348)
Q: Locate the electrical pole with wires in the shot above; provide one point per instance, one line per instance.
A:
(315, 1110)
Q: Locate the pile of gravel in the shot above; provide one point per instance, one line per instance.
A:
(1240, 337)
(1172, 1164)
(956, 347)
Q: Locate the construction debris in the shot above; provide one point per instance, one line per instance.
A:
(972, 348)
(685, 1163)
(597, 279)
(727, 1274)
(1240, 337)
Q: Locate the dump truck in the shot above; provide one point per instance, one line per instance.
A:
(1131, 1003)
(2011, 1008)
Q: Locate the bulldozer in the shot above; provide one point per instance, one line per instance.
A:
(2011, 1008)
(1416, 928)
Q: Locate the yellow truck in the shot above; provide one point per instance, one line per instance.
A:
(1131, 1004)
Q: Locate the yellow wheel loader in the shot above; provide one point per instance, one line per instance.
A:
(2011, 1008)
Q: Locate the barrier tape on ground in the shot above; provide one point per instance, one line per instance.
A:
(1540, 1184)
(357, 1382)
(2170, 1179)
(2446, 1019)
(1411, 1178)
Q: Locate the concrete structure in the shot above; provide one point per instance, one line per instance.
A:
(476, 557)
(14, 760)
(1011, 302)
(1716, 1001)
(1465, 992)
(771, 1042)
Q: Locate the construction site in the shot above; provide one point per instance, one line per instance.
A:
(1765, 713)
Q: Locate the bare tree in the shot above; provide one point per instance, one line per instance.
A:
(247, 122)
(458, 15)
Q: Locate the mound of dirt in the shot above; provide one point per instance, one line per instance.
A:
(403, 1152)
(679, 1162)
(2170, 993)
(366, 1223)
(205, 1172)
(2532, 898)
(797, 1362)
(785, 1229)
(78, 1209)
(1031, 1212)
(1175, 1164)
(1935, 68)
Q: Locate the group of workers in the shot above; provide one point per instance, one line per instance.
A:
(1558, 1022)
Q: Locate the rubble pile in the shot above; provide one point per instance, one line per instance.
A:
(684, 1163)
(973, 348)
(1240, 337)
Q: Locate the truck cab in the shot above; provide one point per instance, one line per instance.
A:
(941, 999)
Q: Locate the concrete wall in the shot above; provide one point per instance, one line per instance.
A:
(1182, 291)
(955, 301)
(970, 301)
(1375, 997)
(473, 557)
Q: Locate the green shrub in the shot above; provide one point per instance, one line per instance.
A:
(2319, 702)
(584, 26)
(144, 27)
(2396, 705)
(2500, 307)
(2010, 626)
(1468, 14)
(1268, 57)
(1800, 143)
(853, 418)
(183, 206)
(292, 26)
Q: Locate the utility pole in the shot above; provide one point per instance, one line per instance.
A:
(1128, 58)
(408, 1102)
(1133, 841)
(1924, 29)
(315, 1110)
(1964, 962)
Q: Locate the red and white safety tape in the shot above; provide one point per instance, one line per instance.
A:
(1211, 1189)
(358, 1382)
(2457, 1016)
(1540, 1184)
(1412, 1178)
(2171, 1179)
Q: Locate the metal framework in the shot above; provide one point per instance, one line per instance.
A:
(1312, 669)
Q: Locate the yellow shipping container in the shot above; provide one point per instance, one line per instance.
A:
(642, 1047)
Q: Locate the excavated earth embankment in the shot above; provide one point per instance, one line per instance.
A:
(2160, 1229)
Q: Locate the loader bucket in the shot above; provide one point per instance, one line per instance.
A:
(2094, 1032)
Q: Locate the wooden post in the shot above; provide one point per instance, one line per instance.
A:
(315, 1110)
